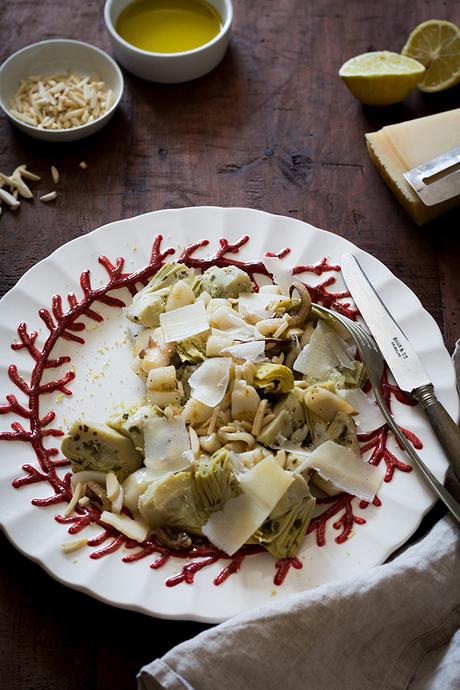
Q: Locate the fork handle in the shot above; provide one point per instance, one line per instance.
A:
(444, 426)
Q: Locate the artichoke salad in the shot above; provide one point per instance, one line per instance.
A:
(251, 408)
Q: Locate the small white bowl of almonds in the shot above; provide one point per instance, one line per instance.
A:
(60, 90)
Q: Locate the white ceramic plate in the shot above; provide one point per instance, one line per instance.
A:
(104, 379)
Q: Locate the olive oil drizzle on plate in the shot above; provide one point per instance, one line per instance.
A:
(168, 26)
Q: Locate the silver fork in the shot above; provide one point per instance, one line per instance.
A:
(374, 363)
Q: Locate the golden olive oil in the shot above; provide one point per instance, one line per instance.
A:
(168, 26)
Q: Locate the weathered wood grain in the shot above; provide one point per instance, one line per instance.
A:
(272, 128)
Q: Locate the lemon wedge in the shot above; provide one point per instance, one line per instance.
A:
(381, 77)
(436, 44)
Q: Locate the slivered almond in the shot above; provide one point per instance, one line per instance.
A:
(74, 544)
(60, 101)
(20, 185)
(55, 174)
(9, 199)
(75, 498)
(259, 417)
(48, 197)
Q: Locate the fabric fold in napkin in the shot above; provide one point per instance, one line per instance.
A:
(392, 627)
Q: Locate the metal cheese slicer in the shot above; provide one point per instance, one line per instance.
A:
(438, 179)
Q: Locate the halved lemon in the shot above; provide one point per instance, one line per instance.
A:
(381, 77)
(436, 44)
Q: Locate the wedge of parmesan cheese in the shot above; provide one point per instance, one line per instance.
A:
(263, 486)
(395, 149)
(184, 322)
(166, 440)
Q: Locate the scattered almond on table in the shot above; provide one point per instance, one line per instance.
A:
(50, 196)
(18, 187)
(55, 174)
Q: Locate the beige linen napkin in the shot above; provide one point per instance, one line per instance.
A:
(393, 627)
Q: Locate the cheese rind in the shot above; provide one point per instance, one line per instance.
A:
(395, 149)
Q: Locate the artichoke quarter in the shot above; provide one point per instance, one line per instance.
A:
(214, 481)
(227, 282)
(283, 531)
(289, 420)
(170, 502)
(91, 446)
(150, 302)
(273, 378)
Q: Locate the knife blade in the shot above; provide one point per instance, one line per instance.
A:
(404, 363)
(398, 352)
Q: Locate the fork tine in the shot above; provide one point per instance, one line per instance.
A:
(374, 362)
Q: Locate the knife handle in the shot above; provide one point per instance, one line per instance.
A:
(446, 429)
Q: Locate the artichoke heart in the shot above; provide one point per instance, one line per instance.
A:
(226, 282)
(169, 274)
(286, 306)
(91, 446)
(283, 531)
(192, 350)
(214, 481)
(170, 502)
(150, 302)
(356, 376)
(289, 423)
(341, 429)
(273, 378)
(131, 424)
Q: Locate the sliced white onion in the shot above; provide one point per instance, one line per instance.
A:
(133, 529)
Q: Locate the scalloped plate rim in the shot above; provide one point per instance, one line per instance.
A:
(135, 606)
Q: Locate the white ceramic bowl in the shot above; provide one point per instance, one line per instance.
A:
(59, 55)
(169, 68)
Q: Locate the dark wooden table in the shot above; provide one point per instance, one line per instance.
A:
(271, 128)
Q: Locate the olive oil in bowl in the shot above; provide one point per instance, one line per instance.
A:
(168, 26)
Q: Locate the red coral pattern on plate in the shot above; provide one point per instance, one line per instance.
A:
(63, 323)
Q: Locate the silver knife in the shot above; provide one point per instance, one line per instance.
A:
(401, 357)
